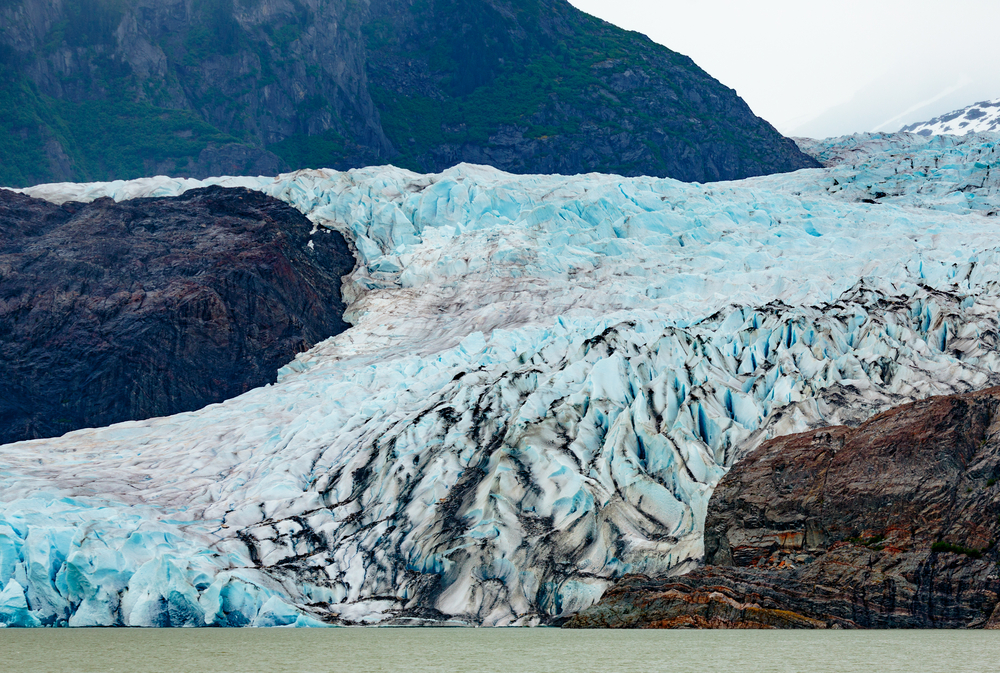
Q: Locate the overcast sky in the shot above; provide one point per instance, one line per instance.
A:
(830, 68)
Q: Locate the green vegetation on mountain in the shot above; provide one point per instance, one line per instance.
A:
(95, 139)
(101, 89)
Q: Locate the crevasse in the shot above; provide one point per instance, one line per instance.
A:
(545, 378)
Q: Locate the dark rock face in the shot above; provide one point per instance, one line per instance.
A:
(893, 524)
(109, 89)
(113, 312)
(539, 87)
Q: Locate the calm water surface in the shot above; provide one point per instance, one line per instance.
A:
(501, 650)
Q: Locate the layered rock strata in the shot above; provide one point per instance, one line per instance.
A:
(112, 312)
(893, 524)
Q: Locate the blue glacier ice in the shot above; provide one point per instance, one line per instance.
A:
(545, 378)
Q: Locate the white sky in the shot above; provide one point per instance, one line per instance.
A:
(830, 68)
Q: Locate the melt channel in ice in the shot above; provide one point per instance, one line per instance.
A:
(545, 379)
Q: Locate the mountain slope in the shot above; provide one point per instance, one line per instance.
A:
(982, 117)
(544, 379)
(101, 89)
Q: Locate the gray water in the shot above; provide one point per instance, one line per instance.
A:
(486, 650)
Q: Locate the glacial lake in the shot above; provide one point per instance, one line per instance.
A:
(487, 650)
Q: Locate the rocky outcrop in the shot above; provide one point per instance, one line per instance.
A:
(891, 524)
(99, 90)
(119, 311)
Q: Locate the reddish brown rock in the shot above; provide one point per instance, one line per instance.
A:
(891, 524)
(121, 311)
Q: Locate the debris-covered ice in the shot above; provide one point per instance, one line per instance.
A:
(545, 378)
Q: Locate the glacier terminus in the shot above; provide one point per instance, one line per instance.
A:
(544, 379)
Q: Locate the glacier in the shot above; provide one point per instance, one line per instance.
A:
(545, 377)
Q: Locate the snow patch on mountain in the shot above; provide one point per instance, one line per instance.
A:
(982, 117)
(546, 377)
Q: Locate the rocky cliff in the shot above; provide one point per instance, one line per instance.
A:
(892, 524)
(117, 311)
(104, 89)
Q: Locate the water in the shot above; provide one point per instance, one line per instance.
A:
(487, 650)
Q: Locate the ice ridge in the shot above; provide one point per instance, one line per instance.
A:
(546, 377)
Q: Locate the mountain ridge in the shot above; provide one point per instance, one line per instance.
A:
(981, 117)
(109, 89)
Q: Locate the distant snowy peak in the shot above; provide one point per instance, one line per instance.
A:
(979, 118)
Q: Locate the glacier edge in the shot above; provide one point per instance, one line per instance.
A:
(545, 378)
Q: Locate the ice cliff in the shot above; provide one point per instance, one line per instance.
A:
(545, 379)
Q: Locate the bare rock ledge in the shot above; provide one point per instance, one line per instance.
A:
(892, 524)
